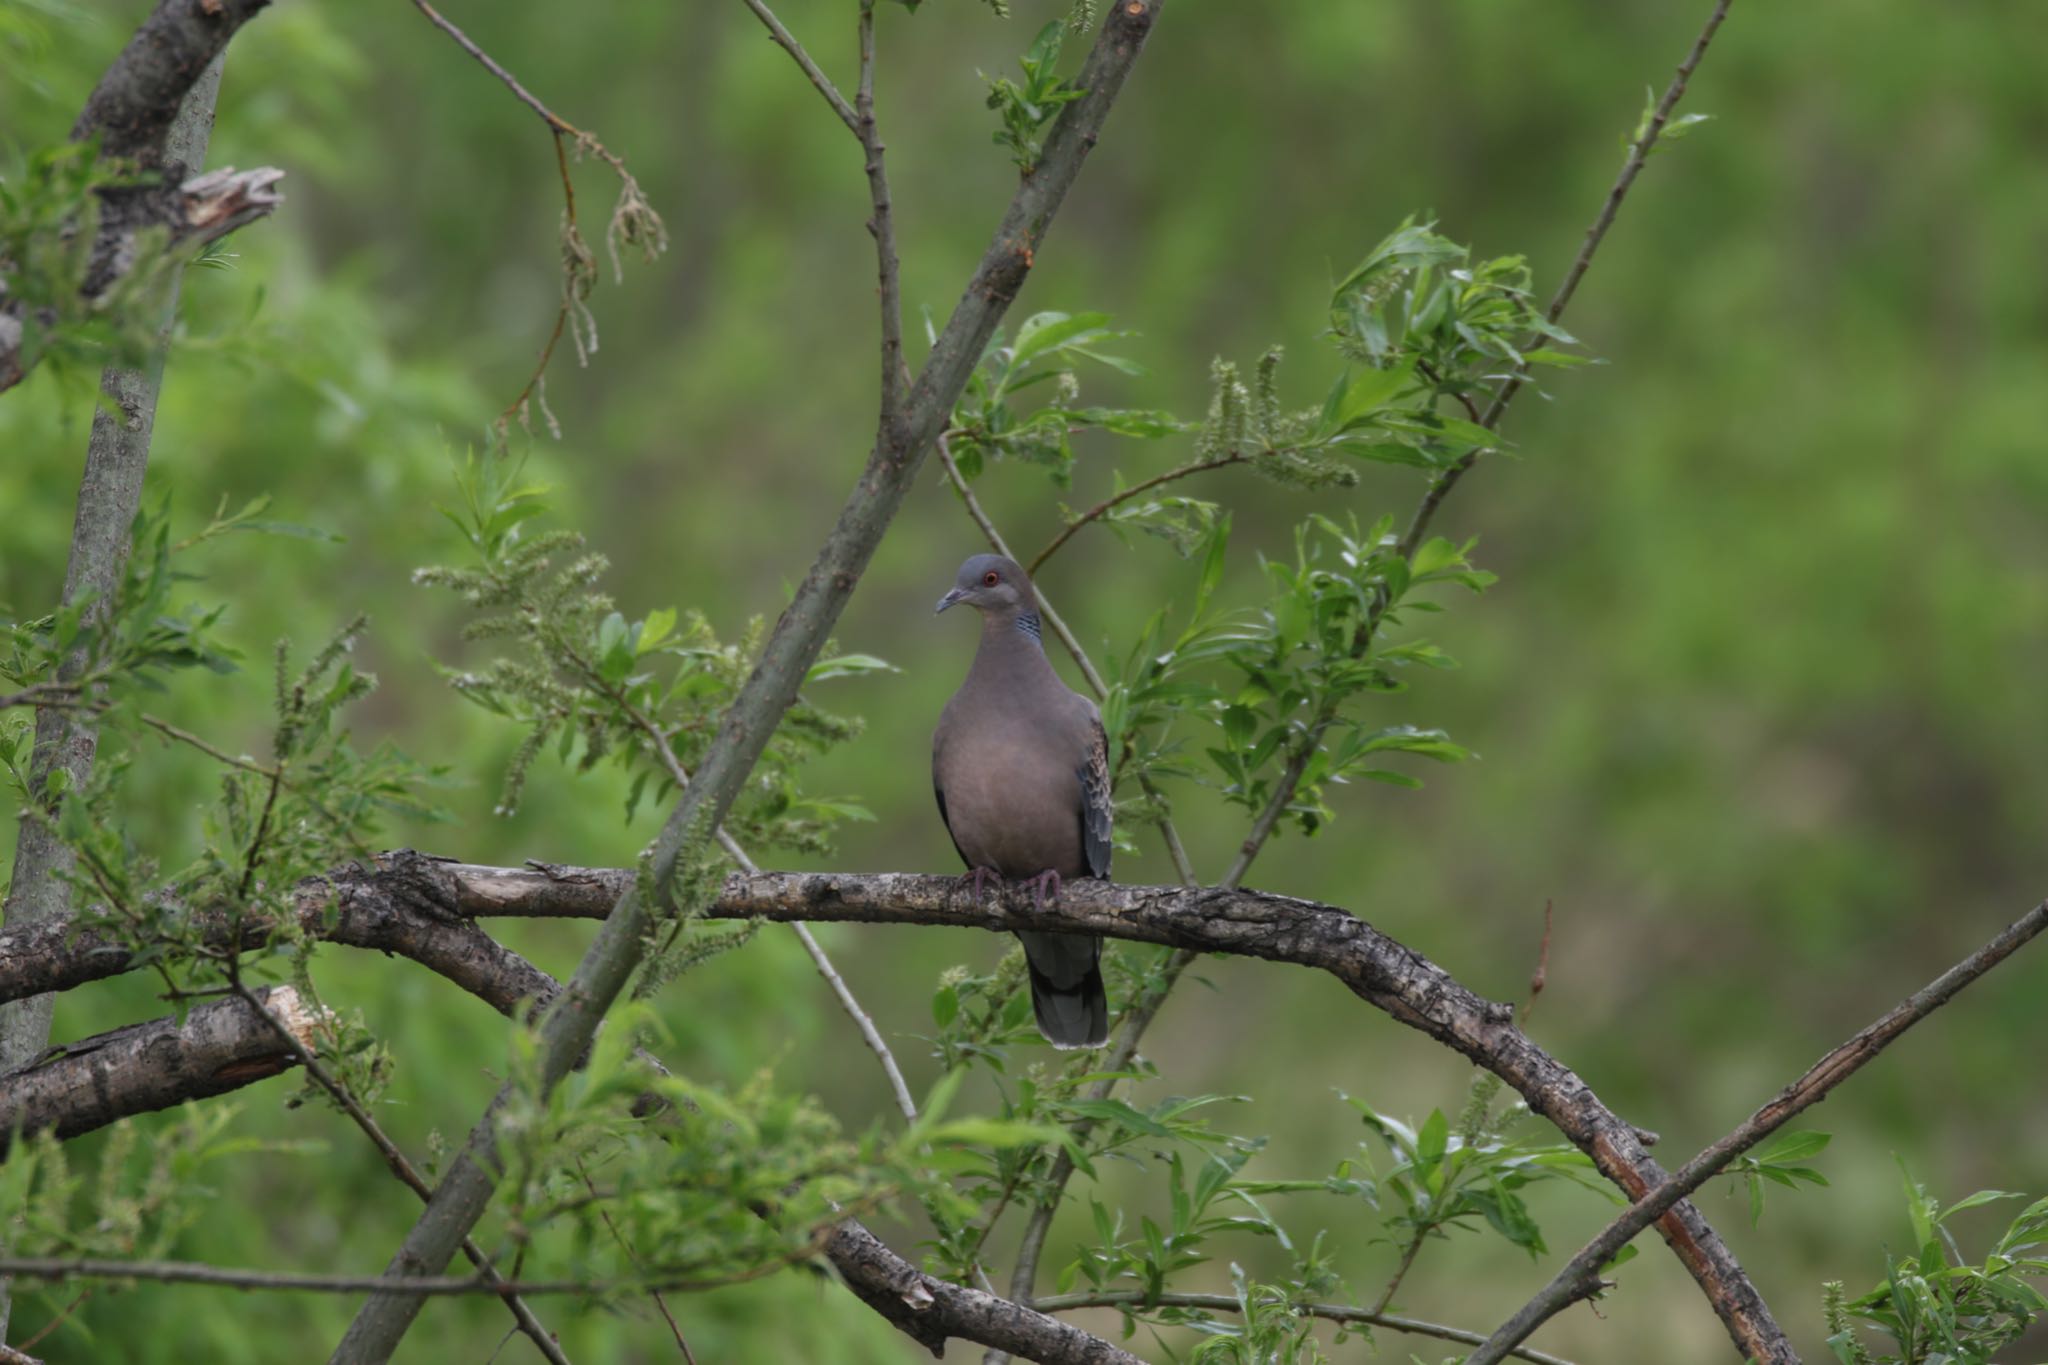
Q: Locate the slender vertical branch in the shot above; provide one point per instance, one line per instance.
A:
(1580, 1277)
(882, 224)
(665, 754)
(787, 655)
(1440, 488)
(1303, 752)
(109, 495)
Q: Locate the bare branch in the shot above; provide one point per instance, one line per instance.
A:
(929, 1310)
(889, 288)
(665, 753)
(818, 78)
(138, 98)
(1580, 1277)
(785, 659)
(123, 1073)
(1329, 1312)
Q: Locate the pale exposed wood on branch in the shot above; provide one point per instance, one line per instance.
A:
(397, 908)
(131, 111)
(220, 1046)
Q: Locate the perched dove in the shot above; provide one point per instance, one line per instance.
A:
(1022, 776)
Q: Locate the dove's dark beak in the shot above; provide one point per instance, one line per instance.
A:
(957, 595)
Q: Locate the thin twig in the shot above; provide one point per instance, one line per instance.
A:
(1581, 1275)
(818, 78)
(1408, 1255)
(1329, 1312)
(862, 1020)
(660, 1303)
(1638, 155)
(425, 1286)
(1539, 978)
(64, 1316)
(532, 1326)
(889, 286)
(566, 134)
(1109, 504)
(485, 60)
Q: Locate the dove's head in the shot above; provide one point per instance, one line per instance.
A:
(993, 586)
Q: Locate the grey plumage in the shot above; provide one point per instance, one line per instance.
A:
(1021, 772)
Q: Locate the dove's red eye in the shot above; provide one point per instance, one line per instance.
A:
(991, 578)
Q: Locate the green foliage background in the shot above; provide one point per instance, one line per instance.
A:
(1759, 695)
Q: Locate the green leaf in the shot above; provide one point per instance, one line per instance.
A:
(1357, 397)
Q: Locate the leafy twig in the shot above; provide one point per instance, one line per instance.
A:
(1109, 504)
(1638, 154)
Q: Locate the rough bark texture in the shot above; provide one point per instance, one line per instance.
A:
(900, 448)
(221, 1046)
(117, 453)
(153, 109)
(930, 1310)
(137, 99)
(389, 907)
(404, 905)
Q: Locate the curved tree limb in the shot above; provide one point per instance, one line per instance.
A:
(395, 908)
(1580, 1277)
(1392, 977)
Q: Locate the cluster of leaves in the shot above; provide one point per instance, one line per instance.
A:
(645, 694)
(1937, 1306)
(650, 1174)
(1048, 349)
(49, 232)
(1424, 322)
(1026, 107)
(136, 1203)
(316, 803)
(1418, 1184)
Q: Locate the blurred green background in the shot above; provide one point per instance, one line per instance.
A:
(1759, 696)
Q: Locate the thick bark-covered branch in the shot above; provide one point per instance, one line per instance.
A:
(221, 1046)
(393, 907)
(131, 108)
(930, 1310)
(376, 908)
(405, 905)
(770, 690)
(134, 112)
(1580, 1277)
